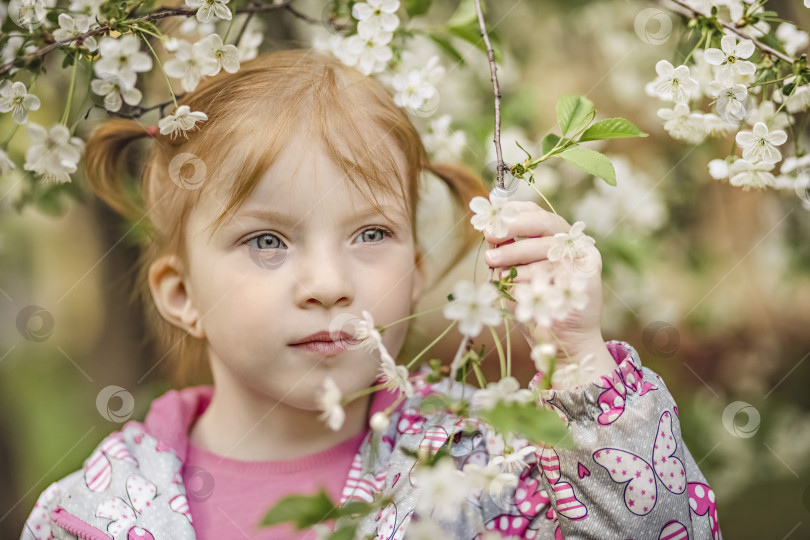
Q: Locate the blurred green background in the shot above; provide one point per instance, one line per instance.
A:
(708, 282)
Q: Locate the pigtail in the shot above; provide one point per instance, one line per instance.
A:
(464, 185)
(104, 150)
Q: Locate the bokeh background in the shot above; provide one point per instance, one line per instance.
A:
(708, 283)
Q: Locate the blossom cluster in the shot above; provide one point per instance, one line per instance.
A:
(754, 96)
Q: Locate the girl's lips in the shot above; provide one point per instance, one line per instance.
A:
(325, 347)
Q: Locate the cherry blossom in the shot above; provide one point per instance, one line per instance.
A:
(674, 83)
(181, 121)
(745, 174)
(328, 402)
(54, 154)
(472, 307)
(731, 58)
(121, 56)
(492, 215)
(760, 144)
(14, 97)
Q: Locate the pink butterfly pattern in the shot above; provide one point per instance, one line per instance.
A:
(141, 493)
(628, 378)
(640, 494)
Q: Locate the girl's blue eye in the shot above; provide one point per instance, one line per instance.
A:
(265, 244)
(383, 233)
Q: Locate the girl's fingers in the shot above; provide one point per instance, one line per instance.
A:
(532, 222)
(525, 251)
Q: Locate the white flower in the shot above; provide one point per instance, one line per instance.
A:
(797, 102)
(634, 204)
(29, 13)
(731, 58)
(571, 244)
(793, 162)
(718, 169)
(729, 99)
(328, 402)
(760, 144)
(249, 45)
(441, 143)
(14, 97)
(368, 53)
(53, 153)
(751, 175)
(542, 354)
(91, 8)
(441, 489)
(376, 15)
(379, 421)
(674, 84)
(121, 56)
(424, 529)
(514, 462)
(490, 478)
(191, 63)
(225, 56)
(506, 390)
(73, 26)
(210, 9)
(472, 307)
(683, 124)
(366, 332)
(766, 113)
(537, 300)
(5, 163)
(113, 88)
(492, 216)
(181, 121)
(415, 88)
(577, 374)
(794, 39)
(715, 126)
(395, 377)
(571, 287)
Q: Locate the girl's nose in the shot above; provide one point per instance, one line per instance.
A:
(324, 279)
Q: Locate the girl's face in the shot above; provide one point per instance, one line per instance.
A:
(304, 253)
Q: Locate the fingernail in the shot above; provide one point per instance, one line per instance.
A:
(492, 255)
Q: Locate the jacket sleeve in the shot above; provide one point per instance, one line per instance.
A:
(39, 525)
(630, 474)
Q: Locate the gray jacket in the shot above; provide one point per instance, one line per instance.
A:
(629, 476)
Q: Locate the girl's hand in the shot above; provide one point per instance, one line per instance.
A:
(526, 246)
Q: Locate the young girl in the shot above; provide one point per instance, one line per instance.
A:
(259, 248)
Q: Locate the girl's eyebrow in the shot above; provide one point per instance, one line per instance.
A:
(273, 216)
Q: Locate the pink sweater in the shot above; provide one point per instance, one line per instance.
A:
(228, 497)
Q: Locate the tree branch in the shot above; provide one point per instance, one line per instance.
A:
(494, 77)
(688, 11)
(160, 13)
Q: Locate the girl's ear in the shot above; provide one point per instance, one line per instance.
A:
(419, 277)
(172, 295)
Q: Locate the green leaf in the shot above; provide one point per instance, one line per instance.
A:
(573, 113)
(465, 13)
(611, 128)
(449, 48)
(416, 7)
(592, 162)
(536, 424)
(549, 141)
(344, 533)
(471, 33)
(303, 510)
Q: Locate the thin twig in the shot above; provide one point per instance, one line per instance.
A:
(494, 77)
(160, 13)
(688, 11)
